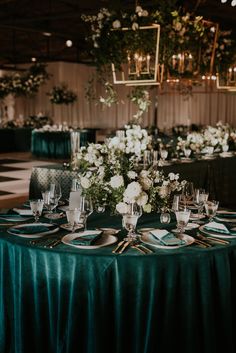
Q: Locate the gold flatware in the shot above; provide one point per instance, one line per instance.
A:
(201, 243)
(53, 243)
(139, 249)
(126, 244)
(118, 246)
(212, 239)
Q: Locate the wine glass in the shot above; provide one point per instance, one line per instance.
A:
(200, 197)
(130, 219)
(164, 154)
(211, 208)
(36, 208)
(55, 191)
(187, 152)
(86, 209)
(73, 218)
(182, 218)
(188, 193)
(49, 202)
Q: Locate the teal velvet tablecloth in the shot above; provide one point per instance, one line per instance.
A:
(56, 144)
(67, 300)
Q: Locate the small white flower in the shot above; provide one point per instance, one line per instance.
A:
(116, 24)
(132, 175)
(132, 191)
(142, 199)
(171, 176)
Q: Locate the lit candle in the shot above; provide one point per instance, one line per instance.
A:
(148, 63)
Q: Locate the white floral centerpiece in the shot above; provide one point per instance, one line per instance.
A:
(112, 174)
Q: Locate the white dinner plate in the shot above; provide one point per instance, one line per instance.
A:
(148, 239)
(23, 211)
(13, 218)
(67, 226)
(186, 160)
(111, 231)
(195, 217)
(216, 234)
(105, 240)
(223, 219)
(220, 216)
(34, 235)
(226, 154)
(190, 226)
(54, 215)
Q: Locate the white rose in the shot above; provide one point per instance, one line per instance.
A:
(117, 181)
(85, 182)
(122, 207)
(163, 191)
(132, 191)
(142, 199)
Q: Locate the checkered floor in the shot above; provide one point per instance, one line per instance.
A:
(15, 178)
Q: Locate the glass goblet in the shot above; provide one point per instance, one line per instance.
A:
(182, 218)
(211, 208)
(200, 197)
(73, 218)
(86, 209)
(130, 219)
(36, 208)
(49, 201)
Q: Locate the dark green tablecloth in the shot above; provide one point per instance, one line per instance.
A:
(92, 301)
(15, 140)
(56, 144)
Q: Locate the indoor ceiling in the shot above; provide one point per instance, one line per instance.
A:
(39, 28)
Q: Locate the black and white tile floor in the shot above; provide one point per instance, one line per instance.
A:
(15, 177)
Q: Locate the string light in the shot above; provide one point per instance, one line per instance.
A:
(69, 43)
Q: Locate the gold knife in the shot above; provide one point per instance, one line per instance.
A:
(127, 243)
(118, 246)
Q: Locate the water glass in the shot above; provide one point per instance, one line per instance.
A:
(200, 197)
(211, 208)
(49, 201)
(163, 154)
(86, 209)
(36, 208)
(187, 152)
(182, 218)
(130, 219)
(73, 218)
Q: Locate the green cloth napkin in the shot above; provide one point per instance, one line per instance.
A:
(166, 238)
(219, 228)
(86, 240)
(30, 229)
(3, 217)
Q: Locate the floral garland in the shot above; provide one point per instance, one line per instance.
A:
(26, 84)
(180, 32)
(61, 95)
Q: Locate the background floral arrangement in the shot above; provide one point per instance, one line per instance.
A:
(112, 173)
(61, 95)
(35, 121)
(26, 84)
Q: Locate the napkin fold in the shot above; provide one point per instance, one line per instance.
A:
(23, 212)
(89, 239)
(219, 228)
(13, 217)
(30, 229)
(166, 237)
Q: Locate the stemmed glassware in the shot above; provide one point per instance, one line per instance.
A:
(73, 218)
(49, 202)
(36, 208)
(211, 208)
(182, 218)
(130, 219)
(200, 197)
(187, 193)
(86, 209)
(55, 192)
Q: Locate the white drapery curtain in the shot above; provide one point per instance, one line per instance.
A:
(168, 108)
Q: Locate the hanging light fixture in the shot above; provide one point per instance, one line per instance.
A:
(227, 81)
(233, 2)
(141, 66)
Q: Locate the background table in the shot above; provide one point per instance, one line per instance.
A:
(15, 140)
(92, 301)
(217, 176)
(56, 144)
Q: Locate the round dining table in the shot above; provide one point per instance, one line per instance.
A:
(71, 300)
